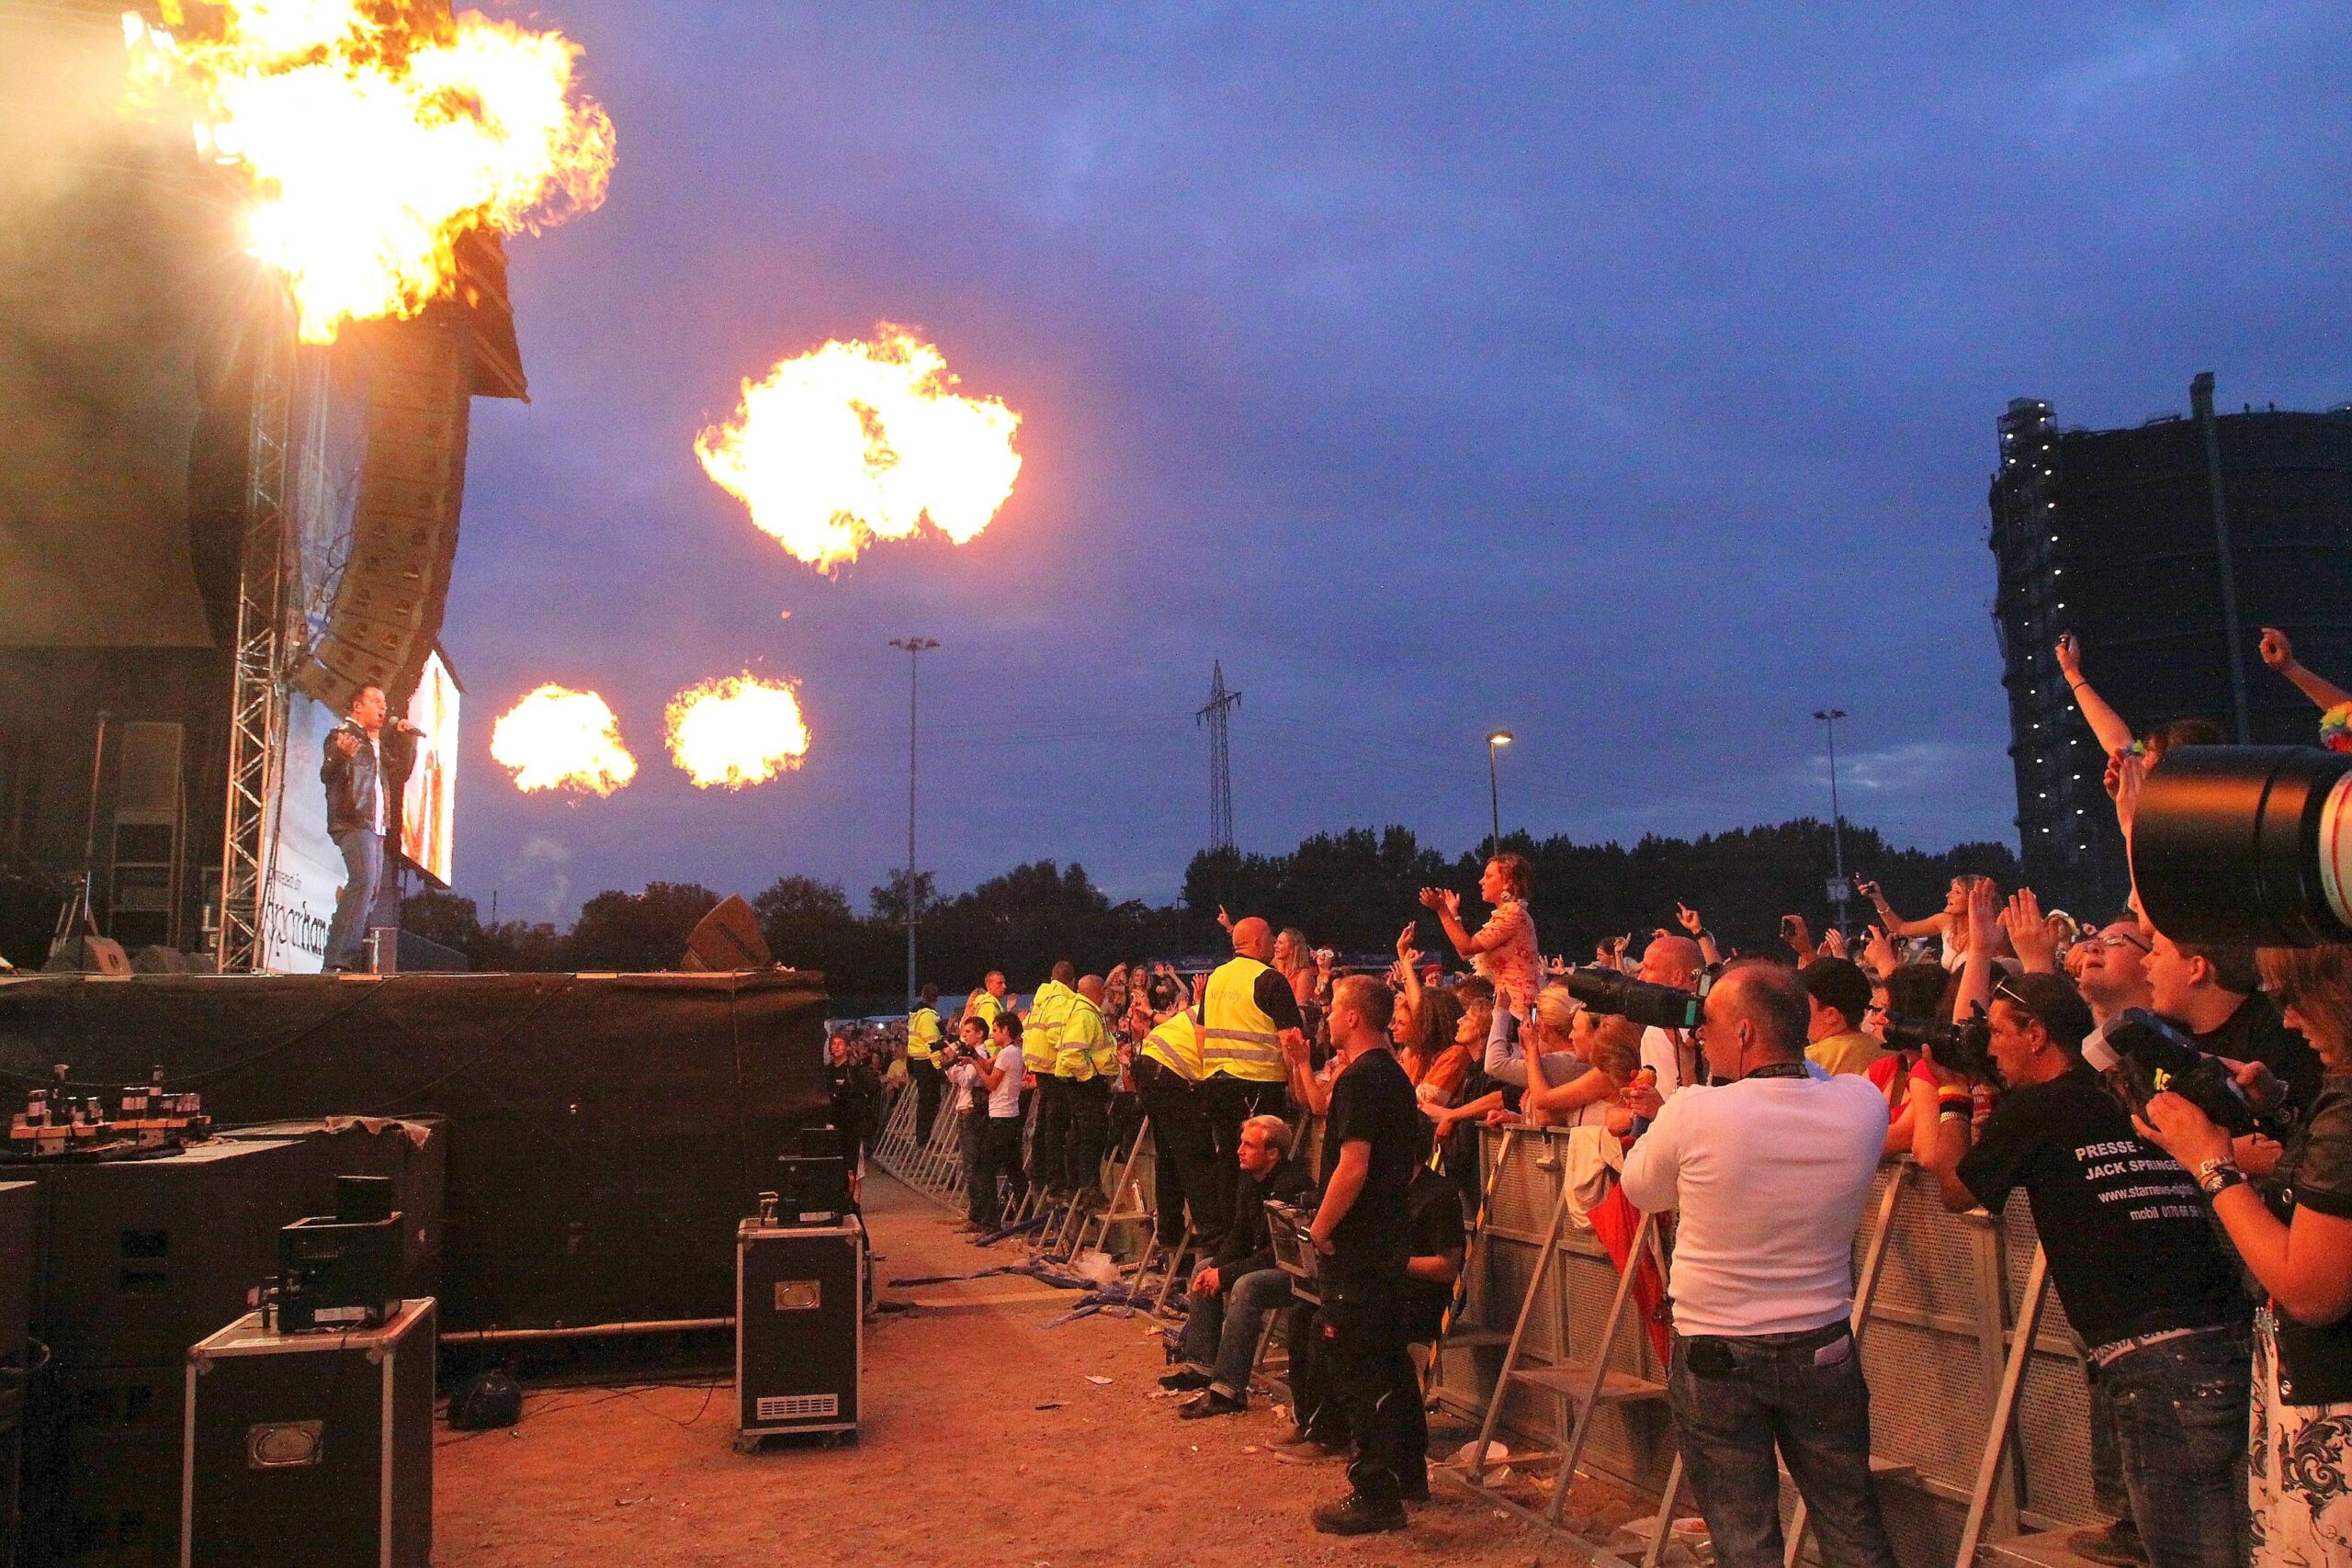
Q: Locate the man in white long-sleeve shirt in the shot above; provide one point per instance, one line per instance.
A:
(1770, 1168)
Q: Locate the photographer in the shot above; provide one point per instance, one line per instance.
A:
(1669, 1053)
(2293, 1227)
(2143, 1280)
(1769, 1169)
(968, 1071)
(2212, 992)
(1004, 1077)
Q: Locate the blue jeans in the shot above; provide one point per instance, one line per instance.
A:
(1802, 1393)
(2178, 1411)
(363, 866)
(1221, 1332)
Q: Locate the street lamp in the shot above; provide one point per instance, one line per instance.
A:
(914, 648)
(1837, 889)
(1494, 790)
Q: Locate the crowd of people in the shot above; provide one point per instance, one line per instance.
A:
(2206, 1271)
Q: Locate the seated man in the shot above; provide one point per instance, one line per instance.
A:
(1232, 1297)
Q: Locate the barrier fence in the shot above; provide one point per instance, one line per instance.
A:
(1980, 1438)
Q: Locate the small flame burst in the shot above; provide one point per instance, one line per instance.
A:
(741, 730)
(855, 442)
(558, 739)
(373, 135)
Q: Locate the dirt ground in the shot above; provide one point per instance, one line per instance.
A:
(955, 1463)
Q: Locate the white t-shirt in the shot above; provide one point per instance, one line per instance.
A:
(966, 1077)
(1005, 1099)
(1770, 1174)
(1661, 1056)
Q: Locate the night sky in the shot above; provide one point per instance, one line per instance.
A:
(1624, 375)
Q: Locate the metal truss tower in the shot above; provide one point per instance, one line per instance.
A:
(258, 693)
(1221, 702)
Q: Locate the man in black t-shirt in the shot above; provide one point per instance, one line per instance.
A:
(1361, 1230)
(2144, 1281)
(2212, 991)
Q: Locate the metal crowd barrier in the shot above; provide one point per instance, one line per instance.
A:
(1935, 1345)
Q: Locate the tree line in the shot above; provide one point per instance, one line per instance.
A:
(1352, 890)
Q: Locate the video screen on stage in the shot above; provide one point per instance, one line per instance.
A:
(429, 803)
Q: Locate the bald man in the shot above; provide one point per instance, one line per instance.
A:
(1767, 1167)
(1247, 1010)
(1086, 1063)
(1671, 1053)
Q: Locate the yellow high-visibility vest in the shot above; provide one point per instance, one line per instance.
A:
(1237, 1038)
(983, 1006)
(1176, 1046)
(923, 1034)
(1085, 1049)
(1041, 1030)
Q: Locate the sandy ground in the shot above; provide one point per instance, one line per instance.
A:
(955, 1463)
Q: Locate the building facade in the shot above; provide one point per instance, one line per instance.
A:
(2122, 537)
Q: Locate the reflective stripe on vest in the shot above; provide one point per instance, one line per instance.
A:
(923, 1034)
(1176, 1046)
(1238, 1037)
(1085, 1049)
(1040, 1032)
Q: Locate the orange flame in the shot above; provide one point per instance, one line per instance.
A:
(857, 441)
(741, 730)
(372, 136)
(556, 738)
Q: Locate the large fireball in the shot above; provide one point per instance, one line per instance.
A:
(857, 441)
(556, 738)
(741, 730)
(370, 136)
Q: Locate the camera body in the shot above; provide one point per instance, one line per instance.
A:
(2150, 1057)
(1962, 1048)
(1660, 1006)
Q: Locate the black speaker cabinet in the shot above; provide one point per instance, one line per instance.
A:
(147, 1257)
(102, 1467)
(313, 1449)
(412, 1152)
(17, 1209)
(799, 1319)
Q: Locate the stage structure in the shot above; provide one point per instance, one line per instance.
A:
(209, 537)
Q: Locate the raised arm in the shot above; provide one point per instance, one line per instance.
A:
(1446, 905)
(1896, 925)
(1976, 971)
(2279, 654)
(2114, 735)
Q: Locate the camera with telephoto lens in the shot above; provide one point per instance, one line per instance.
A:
(2149, 1057)
(1660, 1006)
(2246, 844)
(1962, 1048)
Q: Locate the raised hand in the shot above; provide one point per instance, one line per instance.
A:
(2277, 651)
(1879, 952)
(1689, 918)
(1223, 918)
(2030, 934)
(2069, 650)
(1833, 943)
(1406, 953)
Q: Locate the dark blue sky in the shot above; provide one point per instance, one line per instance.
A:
(1621, 375)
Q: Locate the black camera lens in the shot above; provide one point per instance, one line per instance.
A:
(2246, 844)
(1660, 1006)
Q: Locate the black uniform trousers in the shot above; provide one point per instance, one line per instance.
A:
(1090, 1124)
(1184, 1162)
(1370, 1375)
(1048, 1144)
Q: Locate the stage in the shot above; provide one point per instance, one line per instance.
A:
(607, 1131)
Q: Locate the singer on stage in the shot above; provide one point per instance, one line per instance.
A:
(366, 764)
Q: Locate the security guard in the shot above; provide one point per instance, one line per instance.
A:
(989, 1001)
(923, 1040)
(1086, 1063)
(1040, 1039)
(1246, 1012)
(1168, 1068)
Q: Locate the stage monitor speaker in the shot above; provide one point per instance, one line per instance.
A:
(727, 938)
(147, 1257)
(314, 1450)
(799, 1325)
(88, 955)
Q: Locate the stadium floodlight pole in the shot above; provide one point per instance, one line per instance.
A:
(1829, 718)
(915, 648)
(1495, 792)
